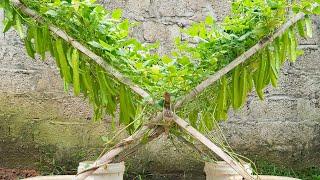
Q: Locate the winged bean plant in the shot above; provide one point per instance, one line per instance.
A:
(206, 47)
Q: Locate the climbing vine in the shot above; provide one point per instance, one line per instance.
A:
(206, 48)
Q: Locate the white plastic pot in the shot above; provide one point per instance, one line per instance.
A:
(62, 177)
(113, 171)
(262, 177)
(220, 170)
(110, 172)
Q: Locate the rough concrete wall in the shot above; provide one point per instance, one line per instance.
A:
(284, 128)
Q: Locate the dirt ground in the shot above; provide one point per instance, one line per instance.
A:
(14, 174)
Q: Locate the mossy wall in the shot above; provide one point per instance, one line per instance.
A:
(35, 134)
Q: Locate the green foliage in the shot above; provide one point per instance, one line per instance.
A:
(217, 46)
(207, 48)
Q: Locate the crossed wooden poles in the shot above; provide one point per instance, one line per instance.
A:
(155, 131)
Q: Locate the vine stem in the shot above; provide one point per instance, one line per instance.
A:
(99, 60)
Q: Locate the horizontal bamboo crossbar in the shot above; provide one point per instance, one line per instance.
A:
(99, 60)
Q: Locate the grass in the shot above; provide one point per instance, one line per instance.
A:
(267, 168)
(264, 167)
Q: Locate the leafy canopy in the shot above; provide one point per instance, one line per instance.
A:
(206, 47)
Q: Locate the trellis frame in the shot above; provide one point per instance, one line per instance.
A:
(156, 129)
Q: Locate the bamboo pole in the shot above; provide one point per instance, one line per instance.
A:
(242, 58)
(217, 150)
(99, 60)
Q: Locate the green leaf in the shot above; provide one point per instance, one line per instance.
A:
(8, 24)
(193, 30)
(51, 12)
(124, 25)
(166, 60)
(95, 44)
(117, 14)
(106, 46)
(209, 20)
(184, 61)
(316, 10)
(155, 69)
(273, 4)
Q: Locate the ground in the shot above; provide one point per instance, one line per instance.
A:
(12, 174)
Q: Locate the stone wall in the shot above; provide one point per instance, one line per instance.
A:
(40, 124)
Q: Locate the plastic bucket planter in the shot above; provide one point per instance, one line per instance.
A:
(62, 177)
(113, 171)
(222, 171)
